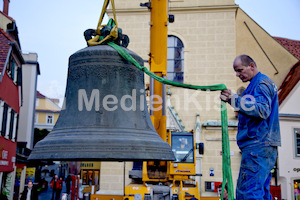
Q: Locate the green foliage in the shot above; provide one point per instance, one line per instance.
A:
(39, 134)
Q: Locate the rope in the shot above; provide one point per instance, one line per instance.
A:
(227, 176)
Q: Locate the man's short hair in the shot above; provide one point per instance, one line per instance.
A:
(246, 60)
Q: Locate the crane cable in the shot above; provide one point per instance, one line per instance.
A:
(109, 40)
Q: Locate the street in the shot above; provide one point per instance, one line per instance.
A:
(47, 194)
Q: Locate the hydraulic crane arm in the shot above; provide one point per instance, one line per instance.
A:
(158, 62)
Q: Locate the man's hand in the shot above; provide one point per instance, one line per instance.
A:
(226, 95)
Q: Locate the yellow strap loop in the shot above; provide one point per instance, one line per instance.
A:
(104, 8)
(114, 31)
(113, 35)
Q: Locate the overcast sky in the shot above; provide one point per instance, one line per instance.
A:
(54, 30)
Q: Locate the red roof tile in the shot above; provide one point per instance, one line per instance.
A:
(293, 46)
(4, 47)
(289, 82)
(39, 95)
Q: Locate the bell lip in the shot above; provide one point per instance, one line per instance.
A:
(104, 160)
(100, 159)
(96, 155)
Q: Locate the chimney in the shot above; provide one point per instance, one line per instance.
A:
(5, 6)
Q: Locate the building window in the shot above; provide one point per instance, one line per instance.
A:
(90, 177)
(175, 60)
(1, 114)
(4, 119)
(297, 142)
(11, 68)
(14, 135)
(8, 118)
(11, 124)
(49, 119)
(209, 186)
(36, 118)
(36, 102)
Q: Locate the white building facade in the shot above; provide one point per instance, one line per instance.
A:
(289, 152)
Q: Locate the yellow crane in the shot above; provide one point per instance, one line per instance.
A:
(161, 179)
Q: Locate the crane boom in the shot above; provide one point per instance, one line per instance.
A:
(158, 62)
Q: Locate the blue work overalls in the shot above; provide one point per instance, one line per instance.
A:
(258, 137)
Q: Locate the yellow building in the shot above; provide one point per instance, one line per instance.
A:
(46, 112)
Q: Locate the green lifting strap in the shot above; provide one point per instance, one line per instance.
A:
(227, 176)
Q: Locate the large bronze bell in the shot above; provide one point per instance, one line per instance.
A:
(105, 114)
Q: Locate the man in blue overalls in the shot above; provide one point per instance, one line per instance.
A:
(258, 131)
